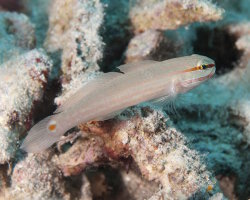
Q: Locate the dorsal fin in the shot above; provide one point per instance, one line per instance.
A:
(130, 67)
(87, 89)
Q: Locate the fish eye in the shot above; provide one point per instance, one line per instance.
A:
(203, 67)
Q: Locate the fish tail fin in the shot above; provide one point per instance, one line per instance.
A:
(42, 135)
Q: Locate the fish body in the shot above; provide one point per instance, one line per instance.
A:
(112, 92)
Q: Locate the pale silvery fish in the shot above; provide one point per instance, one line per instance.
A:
(103, 97)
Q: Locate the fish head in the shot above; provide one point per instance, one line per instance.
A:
(197, 70)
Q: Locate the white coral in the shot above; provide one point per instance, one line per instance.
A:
(74, 28)
(17, 35)
(22, 81)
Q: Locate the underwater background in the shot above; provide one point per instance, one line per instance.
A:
(195, 147)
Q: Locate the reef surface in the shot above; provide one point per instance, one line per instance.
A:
(197, 149)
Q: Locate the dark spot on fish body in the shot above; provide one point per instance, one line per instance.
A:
(118, 71)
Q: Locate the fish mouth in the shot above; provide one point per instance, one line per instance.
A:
(210, 75)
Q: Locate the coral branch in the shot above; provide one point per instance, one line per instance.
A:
(17, 35)
(74, 28)
(22, 82)
(171, 14)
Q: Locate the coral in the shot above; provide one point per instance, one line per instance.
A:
(4, 180)
(165, 14)
(227, 184)
(77, 34)
(143, 153)
(85, 152)
(60, 15)
(214, 116)
(217, 196)
(36, 177)
(219, 125)
(37, 11)
(149, 17)
(140, 50)
(137, 187)
(217, 122)
(22, 82)
(159, 46)
(74, 28)
(11, 5)
(160, 152)
(116, 32)
(16, 35)
(241, 117)
(85, 189)
(242, 31)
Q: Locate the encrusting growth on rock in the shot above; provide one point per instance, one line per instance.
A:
(74, 27)
(160, 152)
(22, 83)
(37, 177)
